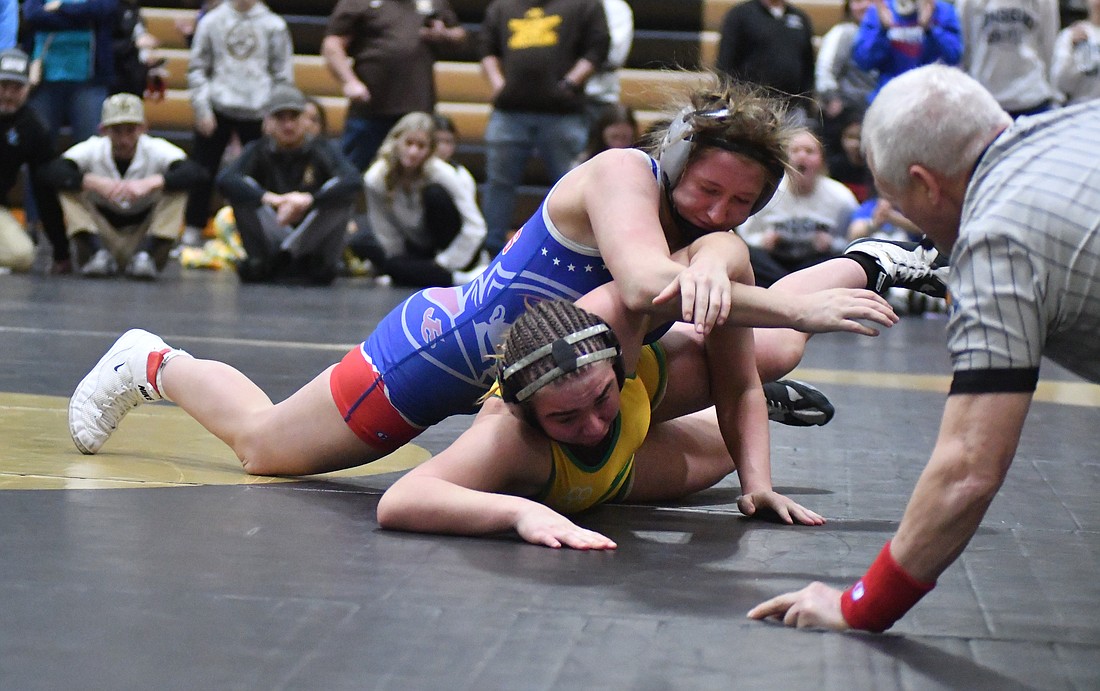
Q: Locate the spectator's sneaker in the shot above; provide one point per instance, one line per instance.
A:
(142, 267)
(123, 378)
(914, 265)
(796, 403)
(101, 265)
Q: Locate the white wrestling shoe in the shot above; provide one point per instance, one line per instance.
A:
(122, 379)
(913, 265)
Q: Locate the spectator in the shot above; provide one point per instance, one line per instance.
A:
(847, 164)
(24, 139)
(1075, 69)
(424, 227)
(446, 144)
(74, 52)
(807, 220)
(316, 119)
(134, 49)
(614, 128)
(186, 25)
(1015, 205)
(123, 193)
(9, 23)
(292, 195)
(878, 218)
(842, 84)
(383, 52)
(603, 89)
(902, 34)
(537, 59)
(770, 43)
(1007, 47)
(241, 49)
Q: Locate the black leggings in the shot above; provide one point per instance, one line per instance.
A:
(416, 267)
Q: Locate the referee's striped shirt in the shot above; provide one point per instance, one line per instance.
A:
(1025, 276)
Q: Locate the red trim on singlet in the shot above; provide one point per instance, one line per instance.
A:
(360, 394)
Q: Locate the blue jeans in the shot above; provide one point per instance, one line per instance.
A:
(511, 138)
(363, 136)
(75, 104)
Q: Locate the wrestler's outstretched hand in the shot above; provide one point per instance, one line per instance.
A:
(788, 510)
(815, 606)
(541, 525)
(705, 293)
(841, 309)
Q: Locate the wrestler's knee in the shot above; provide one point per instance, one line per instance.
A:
(780, 354)
(262, 453)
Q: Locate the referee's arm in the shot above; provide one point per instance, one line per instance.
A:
(978, 437)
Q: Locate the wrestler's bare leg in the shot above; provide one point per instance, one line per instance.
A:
(778, 351)
(302, 435)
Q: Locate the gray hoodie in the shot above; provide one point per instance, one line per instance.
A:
(235, 60)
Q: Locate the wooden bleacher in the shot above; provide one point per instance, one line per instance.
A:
(681, 34)
(462, 91)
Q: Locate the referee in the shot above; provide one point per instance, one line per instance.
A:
(1017, 208)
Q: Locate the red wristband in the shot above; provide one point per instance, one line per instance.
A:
(884, 594)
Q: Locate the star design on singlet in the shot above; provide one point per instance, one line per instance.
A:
(557, 262)
(571, 267)
(588, 268)
(545, 251)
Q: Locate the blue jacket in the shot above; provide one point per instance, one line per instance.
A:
(98, 15)
(906, 45)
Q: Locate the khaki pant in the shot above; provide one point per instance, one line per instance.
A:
(164, 221)
(16, 246)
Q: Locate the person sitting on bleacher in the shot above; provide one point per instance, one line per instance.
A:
(424, 225)
(123, 193)
(292, 196)
(806, 222)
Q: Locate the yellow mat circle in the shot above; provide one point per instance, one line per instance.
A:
(158, 446)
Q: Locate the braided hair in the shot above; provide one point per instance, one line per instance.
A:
(551, 341)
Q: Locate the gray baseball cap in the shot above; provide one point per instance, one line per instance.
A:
(285, 97)
(14, 66)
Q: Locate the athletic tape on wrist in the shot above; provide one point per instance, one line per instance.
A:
(884, 594)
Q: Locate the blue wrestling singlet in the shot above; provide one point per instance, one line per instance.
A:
(435, 351)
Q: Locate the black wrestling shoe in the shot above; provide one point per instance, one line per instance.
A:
(914, 265)
(795, 403)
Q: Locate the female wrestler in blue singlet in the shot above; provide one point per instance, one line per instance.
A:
(655, 227)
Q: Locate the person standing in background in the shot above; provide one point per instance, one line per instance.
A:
(240, 51)
(73, 48)
(899, 35)
(383, 53)
(603, 89)
(770, 43)
(1007, 47)
(1075, 69)
(9, 23)
(537, 58)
